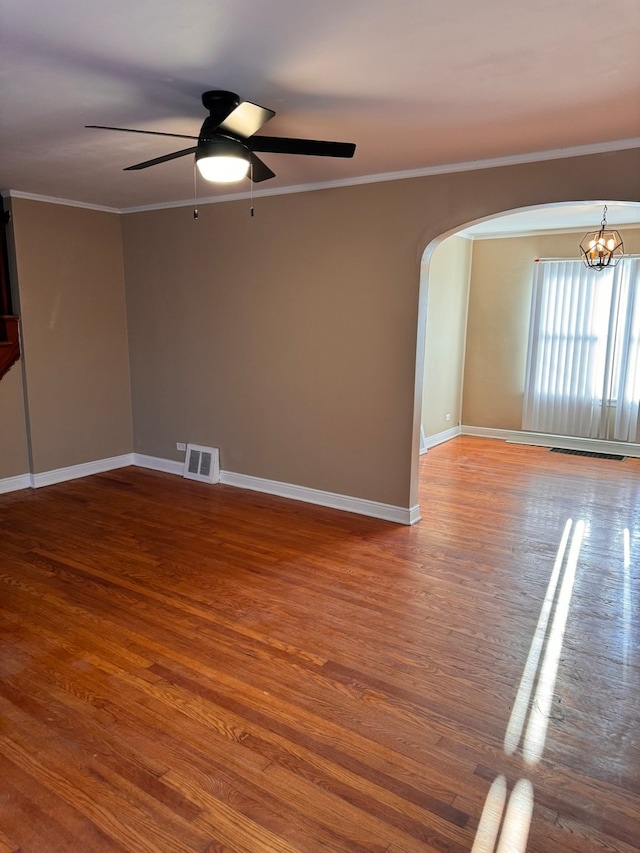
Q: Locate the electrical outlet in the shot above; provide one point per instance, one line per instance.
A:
(180, 445)
(447, 417)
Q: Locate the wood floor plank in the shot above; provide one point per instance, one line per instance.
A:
(188, 667)
(121, 811)
(72, 831)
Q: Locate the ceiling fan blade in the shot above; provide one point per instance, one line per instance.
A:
(259, 171)
(315, 147)
(246, 119)
(132, 130)
(162, 159)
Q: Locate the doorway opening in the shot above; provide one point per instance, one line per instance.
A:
(475, 300)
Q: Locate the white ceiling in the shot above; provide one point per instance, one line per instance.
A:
(418, 85)
(578, 216)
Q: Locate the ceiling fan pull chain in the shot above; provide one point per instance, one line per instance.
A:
(251, 188)
(195, 191)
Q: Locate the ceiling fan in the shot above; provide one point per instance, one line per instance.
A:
(226, 145)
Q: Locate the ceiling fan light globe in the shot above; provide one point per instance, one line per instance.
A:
(222, 160)
(222, 169)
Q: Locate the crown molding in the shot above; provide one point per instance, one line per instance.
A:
(66, 202)
(444, 169)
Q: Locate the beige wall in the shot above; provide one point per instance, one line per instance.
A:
(447, 285)
(498, 325)
(14, 451)
(289, 340)
(14, 457)
(293, 335)
(70, 281)
(273, 338)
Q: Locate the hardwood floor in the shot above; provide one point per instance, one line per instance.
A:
(199, 668)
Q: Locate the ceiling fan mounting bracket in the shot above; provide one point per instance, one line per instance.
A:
(218, 100)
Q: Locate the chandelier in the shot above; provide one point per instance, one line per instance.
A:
(603, 248)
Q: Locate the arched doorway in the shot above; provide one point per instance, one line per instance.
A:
(497, 349)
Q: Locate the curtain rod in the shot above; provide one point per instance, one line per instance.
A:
(579, 260)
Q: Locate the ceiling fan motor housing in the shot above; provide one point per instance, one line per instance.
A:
(220, 103)
(222, 146)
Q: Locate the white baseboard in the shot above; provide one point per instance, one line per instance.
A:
(155, 463)
(439, 438)
(386, 512)
(537, 439)
(74, 472)
(61, 475)
(360, 506)
(14, 484)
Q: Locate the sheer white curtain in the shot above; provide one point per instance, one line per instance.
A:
(583, 362)
(627, 354)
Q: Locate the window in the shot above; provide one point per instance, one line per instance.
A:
(583, 362)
